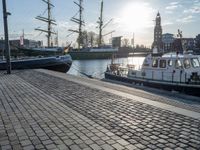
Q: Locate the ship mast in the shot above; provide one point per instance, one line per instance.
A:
(49, 21)
(102, 25)
(100, 22)
(79, 21)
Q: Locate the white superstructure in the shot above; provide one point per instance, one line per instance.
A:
(174, 68)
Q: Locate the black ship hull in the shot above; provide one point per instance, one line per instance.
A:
(191, 89)
(84, 55)
(47, 52)
(59, 63)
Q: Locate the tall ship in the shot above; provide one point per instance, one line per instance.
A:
(99, 52)
(50, 50)
(49, 57)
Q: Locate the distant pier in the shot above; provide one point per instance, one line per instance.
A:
(41, 109)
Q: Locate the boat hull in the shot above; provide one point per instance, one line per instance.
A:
(184, 88)
(38, 52)
(59, 63)
(78, 55)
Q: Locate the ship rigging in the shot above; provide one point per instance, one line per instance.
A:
(79, 21)
(50, 21)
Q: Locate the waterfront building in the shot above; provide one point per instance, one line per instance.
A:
(157, 43)
(177, 45)
(188, 43)
(18, 43)
(168, 42)
(197, 44)
(197, 41)
(184, 44)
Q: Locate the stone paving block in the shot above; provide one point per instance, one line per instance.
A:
(50, 146)
(29, 147)
(88, 148)
(68, 142)
(140, 146)
(117, 146)
(95, 147)
(89, 142)
(83, 145)
(62, 147)
(25, 142)
(47, 142)
(6, 147)
(107, 147)
(39, 146)
(131, 147)
(122, 142)
(111, 141)
(75, 147)
(16, 147)
(94, 138)
(78, 141)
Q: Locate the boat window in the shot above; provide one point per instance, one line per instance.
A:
(146, 63)
(162, 63)
(155, 63)
(178, 64)
(195, 62)
(186, 63)
(170, 63)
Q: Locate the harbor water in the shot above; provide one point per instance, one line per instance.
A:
(97, 67)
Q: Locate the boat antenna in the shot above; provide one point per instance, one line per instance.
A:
(180, 35)
(79, 21)
(48, 20)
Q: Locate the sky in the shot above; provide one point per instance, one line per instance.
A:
(128, 17)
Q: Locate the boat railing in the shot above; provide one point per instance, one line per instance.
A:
(118, 69)
(130, 66)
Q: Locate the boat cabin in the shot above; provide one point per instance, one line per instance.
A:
(169, 68)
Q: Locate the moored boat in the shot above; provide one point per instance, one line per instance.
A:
(55, 63)
(179, 72)
(93, 53)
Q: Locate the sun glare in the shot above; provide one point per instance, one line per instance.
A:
(136, 16)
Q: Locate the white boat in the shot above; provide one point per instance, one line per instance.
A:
(180, 72)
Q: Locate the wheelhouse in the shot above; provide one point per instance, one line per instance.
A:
(173, 68)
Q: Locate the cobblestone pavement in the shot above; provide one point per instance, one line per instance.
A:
(166, 97)
(40, 111)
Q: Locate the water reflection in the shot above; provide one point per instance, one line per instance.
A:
(96, 68)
